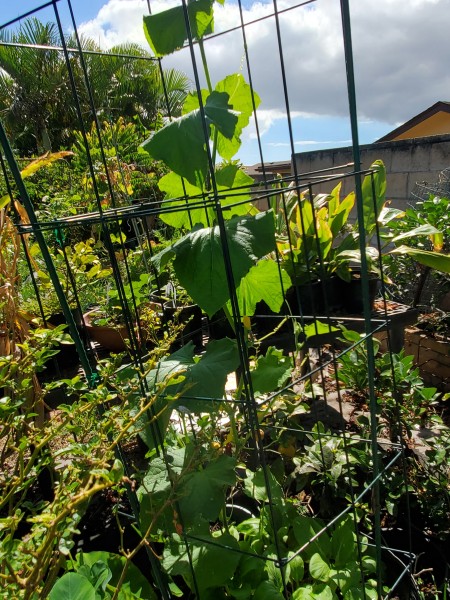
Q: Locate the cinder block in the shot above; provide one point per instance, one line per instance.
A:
(432, 356)
(402, 160)
(438, 345)
(396, 186)
(440, 155)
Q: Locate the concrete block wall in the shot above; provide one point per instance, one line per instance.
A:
(407, 162)
(431, 355)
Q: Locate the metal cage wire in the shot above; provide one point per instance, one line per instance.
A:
(313, 362)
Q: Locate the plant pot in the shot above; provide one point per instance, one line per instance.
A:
(110, 337)
(59, 318)
(316, 297)
(352, 292)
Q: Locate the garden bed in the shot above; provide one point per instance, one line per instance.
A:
(431, 354)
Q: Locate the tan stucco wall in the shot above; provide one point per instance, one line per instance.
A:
(407, 162)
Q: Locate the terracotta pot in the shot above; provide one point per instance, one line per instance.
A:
(110, 337)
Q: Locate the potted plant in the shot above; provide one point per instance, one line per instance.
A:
(111, 324)
(393, 231)
(321, 250)
(312, 232)
(181, 312)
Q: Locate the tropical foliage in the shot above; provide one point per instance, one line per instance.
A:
(202, 470)
(37, 103)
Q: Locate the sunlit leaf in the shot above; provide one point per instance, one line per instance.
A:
(43, 161)
(271, 371)
(181, 144)
(373, 194)
(265, 282)
(166, 31)
(416, 231)
(240, 98)
(201, 251)
(190, 209)
(73, 586)
(434, 260)
(319, 568)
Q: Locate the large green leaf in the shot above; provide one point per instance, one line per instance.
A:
(434, 260)
(319, 568)
(187, 211)
(265, 282)
(305, 528)
(189, 381)
(181, 144)
(191, 206)
(346, 577)
(198, 488)
(134, 585)
(306, 592)
(267, 590)
(297, 567)
(73, 586)
(166, 31)
(233, 185)
(197, 384)
(388, 214)
(239, 95)
(192, 101)
(155, 492)
(343, 544)
(218, 112)
(200, 386)
(426, 229)
(271, 371)
(199, 257)
(240, 98)
(368, 592)
(255, 486)
(202, 493)
(314, 592)
(338, 212)
(214, 563)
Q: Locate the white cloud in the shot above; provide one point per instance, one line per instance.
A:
(400, 54)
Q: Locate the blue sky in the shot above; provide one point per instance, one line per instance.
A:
(398, 71)
(83, 9)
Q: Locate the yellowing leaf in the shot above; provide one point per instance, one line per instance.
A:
(43, 161)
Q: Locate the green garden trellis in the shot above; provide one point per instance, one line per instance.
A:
(217, 203)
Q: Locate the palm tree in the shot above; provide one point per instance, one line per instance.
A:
(36, 102)
(128, 82)
(33, 86)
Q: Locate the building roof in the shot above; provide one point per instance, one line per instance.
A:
(428, 114)
(280, 166)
